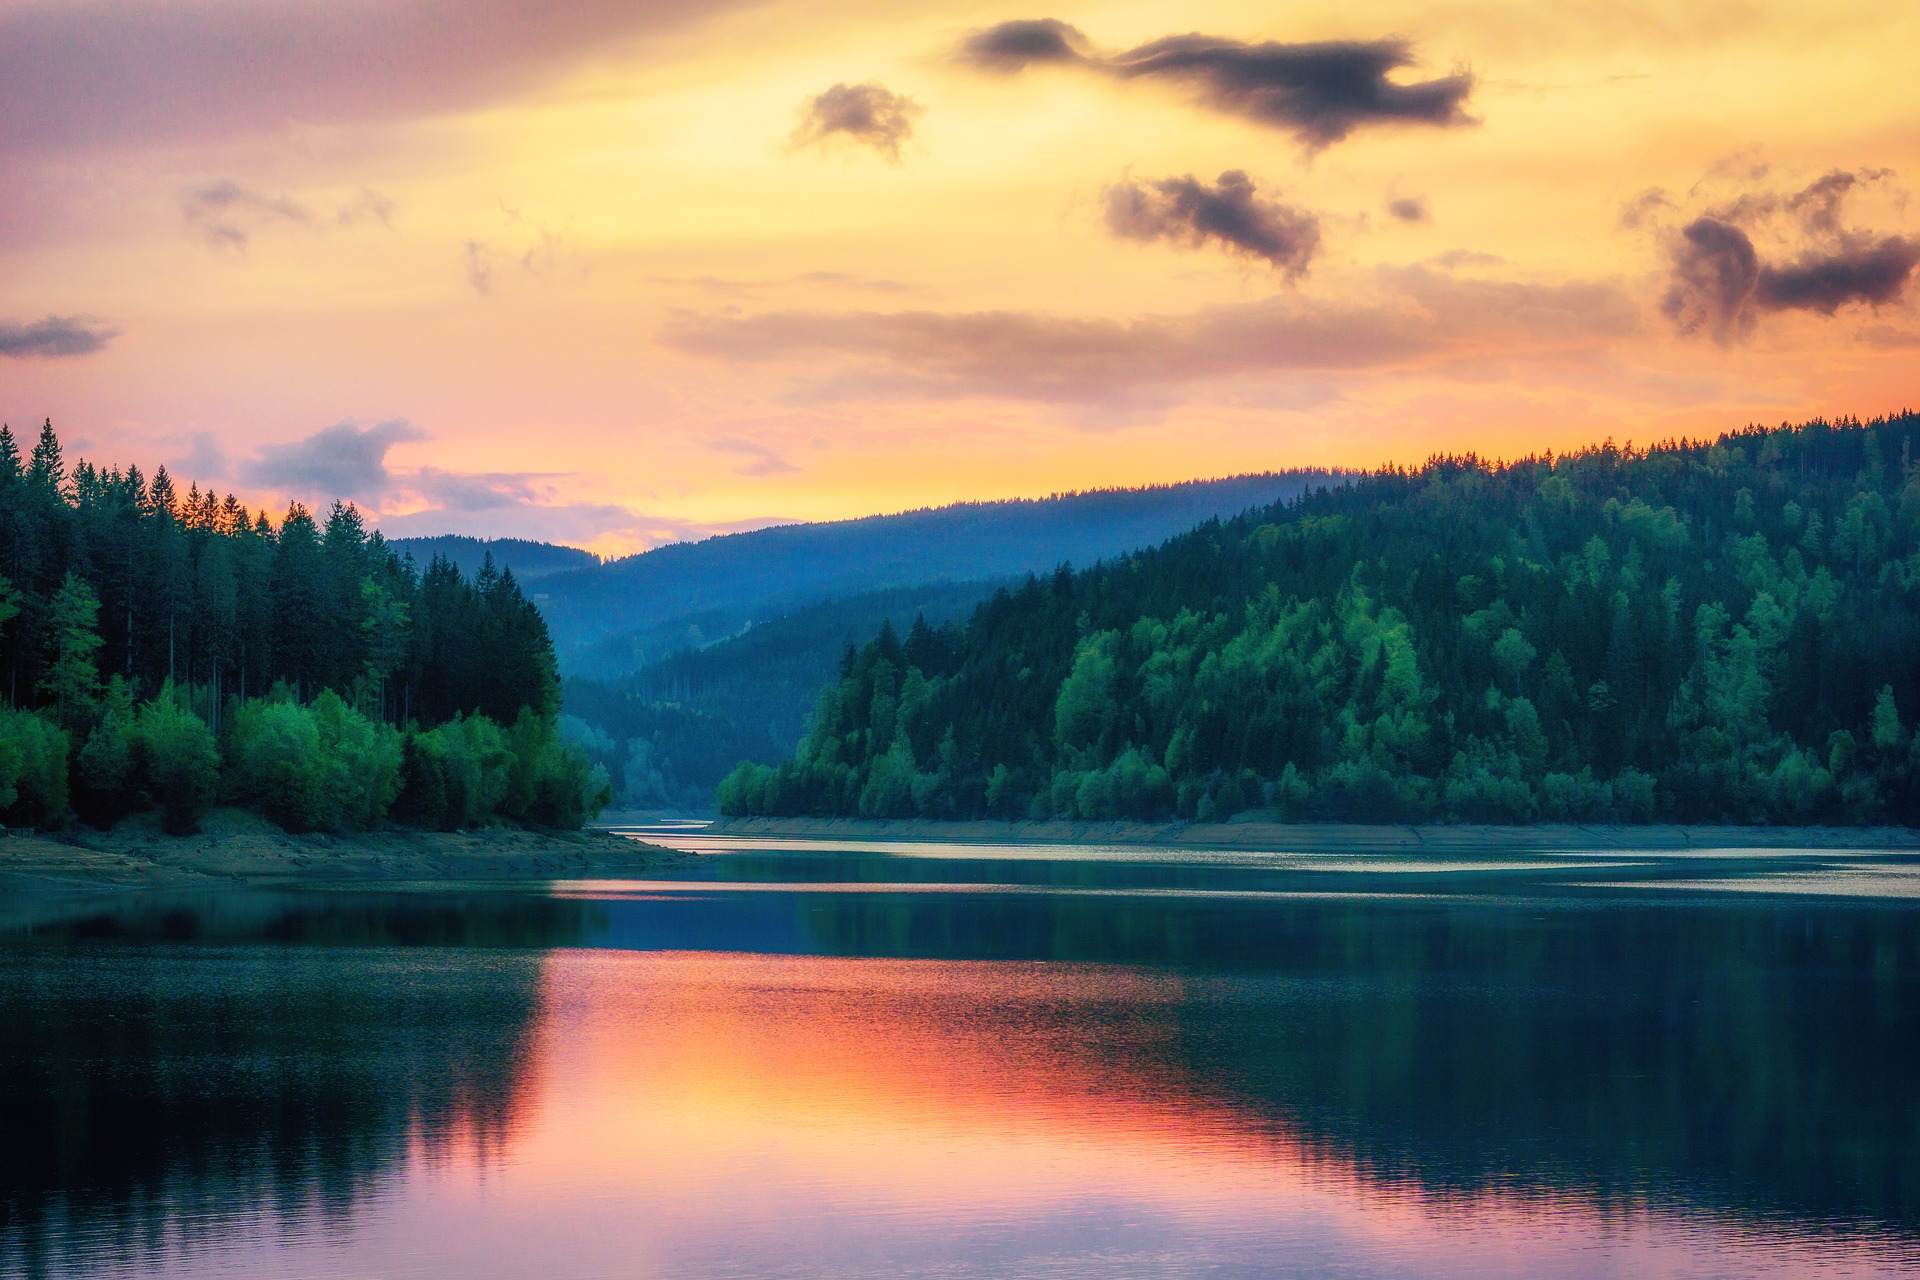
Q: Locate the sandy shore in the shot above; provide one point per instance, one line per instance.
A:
(1340, 837)
(235, 847)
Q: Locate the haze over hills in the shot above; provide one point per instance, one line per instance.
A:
(670, 731)
(529, 560)
(680, 596)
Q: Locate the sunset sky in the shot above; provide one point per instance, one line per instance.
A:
(618, 273)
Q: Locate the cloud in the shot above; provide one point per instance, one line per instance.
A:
(1013, 46)
(1319, 92)
(205, 460)
(479, 264)
(1187, 211)
(1715, 272)
(1873, 271)
(132, 73)
(1425, 316)
(471, 490)
(1720, 281)
(1645, 208)
(868, 114)
(1408, 209)
(341, 461)
(223, 214)
(350, 462)
(757, 459)
(1817, 207)
(1819, 204)
(53, 337)
(369, 206)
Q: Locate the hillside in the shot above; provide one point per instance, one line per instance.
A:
(671, 731)
(1699, 631)
(667, 599)
(529, 560)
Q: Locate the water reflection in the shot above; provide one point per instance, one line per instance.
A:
(856, 1078)
(158, 1100)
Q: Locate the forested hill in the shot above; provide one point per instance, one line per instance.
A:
(726, 583)
(523, 558)
(1695, 631)
(168, 650)
(668, 733)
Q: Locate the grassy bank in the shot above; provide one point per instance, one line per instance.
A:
(1341, 837)
(236, 847)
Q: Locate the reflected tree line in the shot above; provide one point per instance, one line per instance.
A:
(161, 1105)
(1750, 1057)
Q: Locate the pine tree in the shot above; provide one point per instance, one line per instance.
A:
(72, 679)
(46, 471)
(9, 610)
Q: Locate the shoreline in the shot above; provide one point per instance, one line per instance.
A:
(235, 849)
(1334, 837)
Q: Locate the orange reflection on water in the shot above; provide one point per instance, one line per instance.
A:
(719, 1113)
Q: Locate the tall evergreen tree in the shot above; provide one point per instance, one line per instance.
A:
(72, 679)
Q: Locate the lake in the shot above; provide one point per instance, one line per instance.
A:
(821, 1058)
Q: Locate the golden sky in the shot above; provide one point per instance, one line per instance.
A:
(616, 273)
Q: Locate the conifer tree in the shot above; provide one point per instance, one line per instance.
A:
(72, 679)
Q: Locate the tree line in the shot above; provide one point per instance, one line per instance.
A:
(1718, 630)
(168, 650)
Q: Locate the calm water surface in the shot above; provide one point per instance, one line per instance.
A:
(820, 1059)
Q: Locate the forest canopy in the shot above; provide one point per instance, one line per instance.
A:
(161, 650)
(1696, 631)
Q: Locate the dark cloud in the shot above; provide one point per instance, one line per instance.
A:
(1318, 92)
(1408, 209)
(1030, 356)
(79, 73)
(54, 336)
(756, 459)
(1715, 271)
(1012, 46)
(1230, 213)
(341, 461)
(869, 114)
(1720, 281)
(223, 213)
(1871, 271)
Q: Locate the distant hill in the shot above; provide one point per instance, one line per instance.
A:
(529, 560)
(669, 732)
(693, 593)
